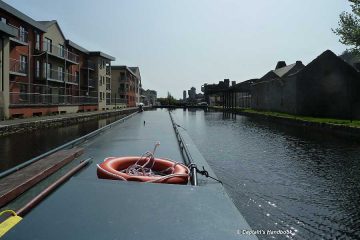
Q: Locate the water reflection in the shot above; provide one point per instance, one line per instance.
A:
(282, 177)
(20, 147)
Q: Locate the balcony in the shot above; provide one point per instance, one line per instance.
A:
(108, 70)
(91, 82)
(71, 78)
(119, 101)
(18, 67)
(61, 76)
(54, 75)
(90, 65)
(61, 52)
(38, 99)
(22, 36)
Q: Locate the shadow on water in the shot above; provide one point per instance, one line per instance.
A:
(281, 177)
(20, 147)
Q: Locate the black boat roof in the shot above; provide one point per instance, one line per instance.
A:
(90, 208)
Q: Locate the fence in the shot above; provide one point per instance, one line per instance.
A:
(18, 66)
(61, 52)
(22, 98)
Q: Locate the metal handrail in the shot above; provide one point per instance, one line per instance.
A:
(66, 145)
(184, 149)
(18, 66)
(21, 98)
(61, 52)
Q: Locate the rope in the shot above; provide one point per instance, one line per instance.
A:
(203, 172)
(110, 173)
(146, 169)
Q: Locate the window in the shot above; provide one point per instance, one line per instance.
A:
(48, 45)
(22, 34)
(61, 73)
(3, 20)
(48, 70)
(122, 76)
(23, 63)
(37, 41)
(77, 76)
(100, 81)
(37, 69)
(61, 50)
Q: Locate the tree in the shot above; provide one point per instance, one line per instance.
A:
(169, 100)
(349, 27)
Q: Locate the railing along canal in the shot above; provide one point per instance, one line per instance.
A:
(185, 152)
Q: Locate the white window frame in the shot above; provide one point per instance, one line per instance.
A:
(22, 34)
(37, 41)
(23, 63)
(60, 73)
(37, 68)
(61, 50)
(48, 45)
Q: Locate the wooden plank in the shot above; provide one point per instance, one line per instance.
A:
(15, 184)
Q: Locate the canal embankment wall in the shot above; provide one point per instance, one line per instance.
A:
(30, 124)
(338, 130)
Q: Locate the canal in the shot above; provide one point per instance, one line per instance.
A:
(20, 147)
(279, 177)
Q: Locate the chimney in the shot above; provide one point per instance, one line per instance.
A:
(299, 63)
(227, 82)
(280, 64)
(233, 83)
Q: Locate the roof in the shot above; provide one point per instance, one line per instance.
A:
(284, 70)
(48, 24)
(101, 54)
(74, 45)
(329, 55)
(123, 67)
(21, 16)
(136, 71)
(243, 86)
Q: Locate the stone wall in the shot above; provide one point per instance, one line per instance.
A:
(329, 87)
(277, 95)
(326, 87)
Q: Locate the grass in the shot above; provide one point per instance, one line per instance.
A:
(333, 121)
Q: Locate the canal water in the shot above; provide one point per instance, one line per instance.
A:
(279, 177)
(20, 147)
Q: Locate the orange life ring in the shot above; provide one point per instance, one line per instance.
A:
(112, 168)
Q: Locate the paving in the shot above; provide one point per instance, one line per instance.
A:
(8, 127)
(90, 208)
(17, 121)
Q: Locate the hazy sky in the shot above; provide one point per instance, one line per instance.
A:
(183, 43)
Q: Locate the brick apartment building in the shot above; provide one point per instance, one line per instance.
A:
(43, 73)
(126, 85)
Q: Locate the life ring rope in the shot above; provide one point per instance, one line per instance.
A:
(146, 168)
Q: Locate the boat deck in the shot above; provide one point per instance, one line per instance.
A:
(90, 208)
